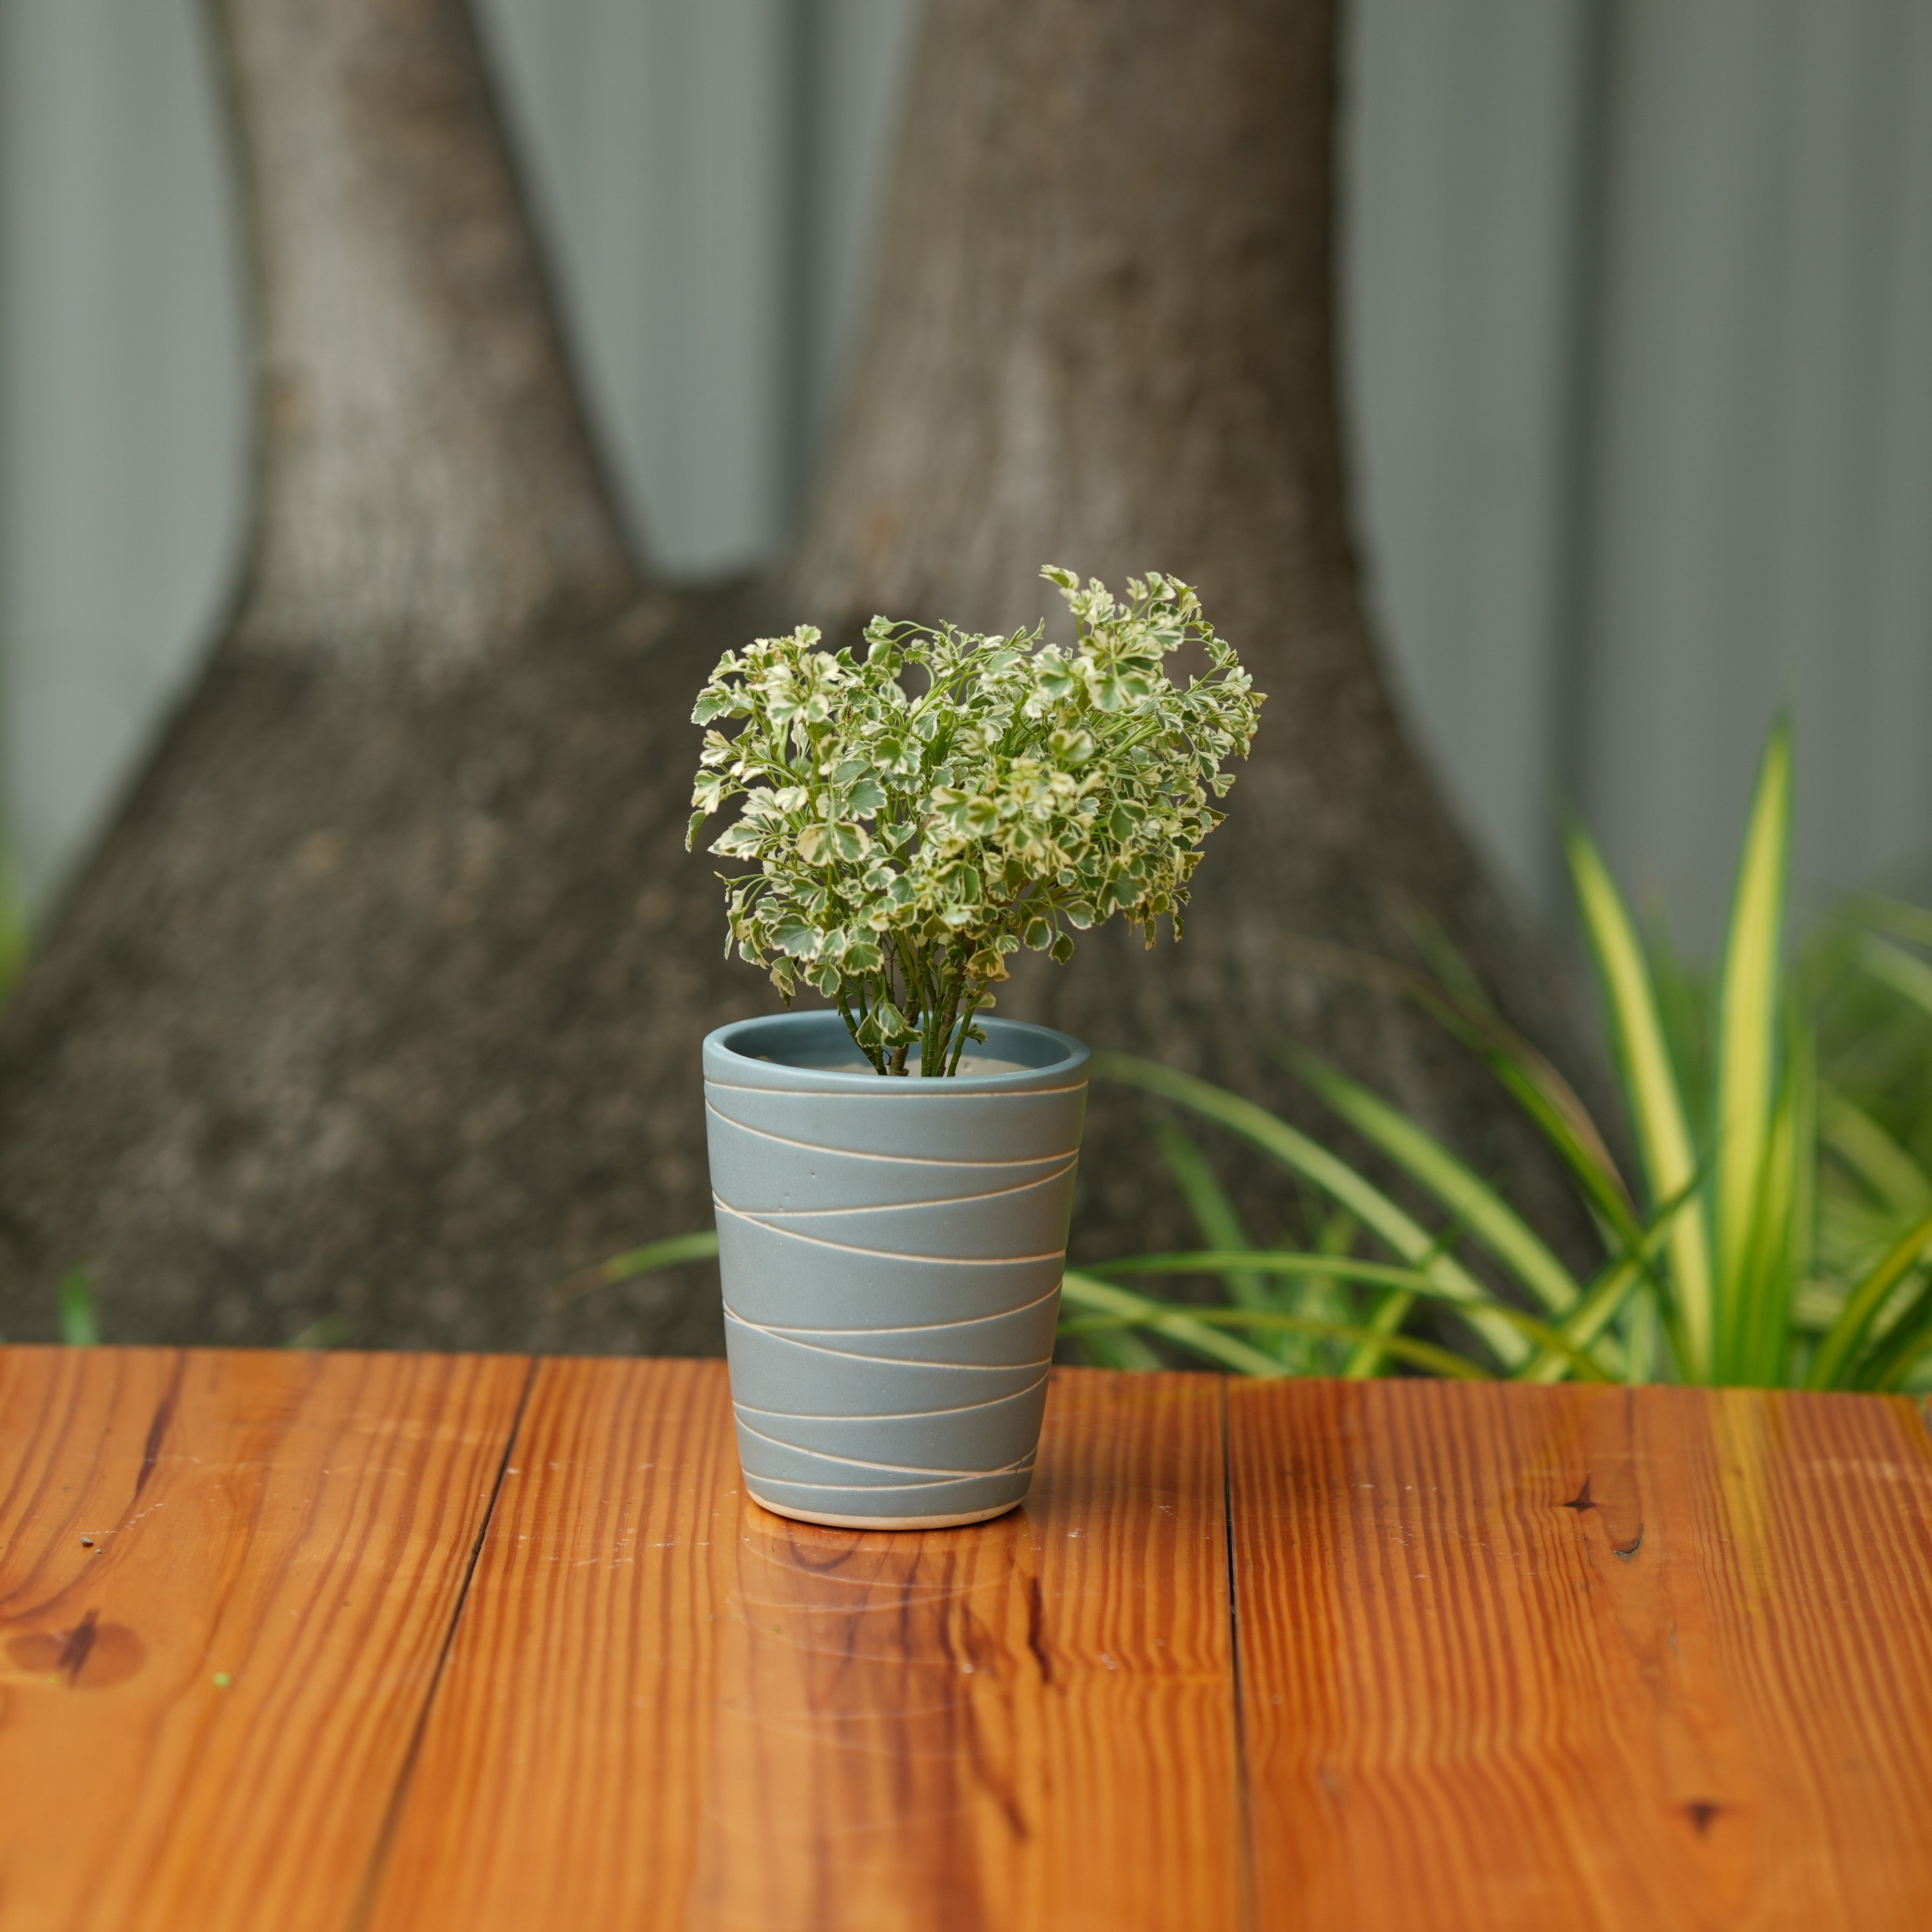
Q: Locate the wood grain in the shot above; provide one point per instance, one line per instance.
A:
(666, 1708)
(1599, 1658)
(1584, 1658)
(226, 1581)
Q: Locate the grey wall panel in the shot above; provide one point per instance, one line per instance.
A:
(1762, 440)
(655, 136)
(708, 176)
(1465, 175)
(122, 400)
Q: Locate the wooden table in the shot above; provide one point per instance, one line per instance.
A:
(388, 1641)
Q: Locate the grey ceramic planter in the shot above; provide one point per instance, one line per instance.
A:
(892, 1251)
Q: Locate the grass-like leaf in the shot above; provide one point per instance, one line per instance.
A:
(1905, 973)
(1409, 1281)
(1156, 1316)
(1336, 1178)
(1656, 1104)
(1214, 1214)
(1777, 1252)
(647, 1260)
(1489, 1218)
(1298, 1262)
(1747, 1110)
(1605, 1298)
(1847, 1335)
(1189, 1327)
(1872, 1155)
(79, 1328)
(1908, 1341)
(1551, 1102)
(1912, 923)
(1122, 1348)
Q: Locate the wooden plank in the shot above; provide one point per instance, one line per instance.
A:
(1588, 1658)
(666, 1708)
(226, 1581)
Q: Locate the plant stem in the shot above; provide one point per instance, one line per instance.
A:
(852, 1027)
(939, 1037)
(965, 1024)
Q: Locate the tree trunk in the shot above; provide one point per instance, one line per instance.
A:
(427, 490)
(1104, 336)
(378, 1008)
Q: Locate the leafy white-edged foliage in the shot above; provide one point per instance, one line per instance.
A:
(905, 842)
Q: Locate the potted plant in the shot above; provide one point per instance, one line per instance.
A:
(894, 1176)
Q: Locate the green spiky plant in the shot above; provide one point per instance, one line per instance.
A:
(1778, 1231)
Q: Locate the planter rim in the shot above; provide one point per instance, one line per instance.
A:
(746, 1053)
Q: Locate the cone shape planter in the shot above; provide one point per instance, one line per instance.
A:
(892, 1251)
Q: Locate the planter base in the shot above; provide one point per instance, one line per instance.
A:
(830, 1519)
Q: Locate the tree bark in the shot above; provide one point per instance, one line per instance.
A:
(379, 1005)
(377, 1009)
(1104, 336)
(427, 490)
